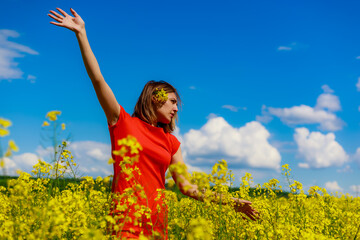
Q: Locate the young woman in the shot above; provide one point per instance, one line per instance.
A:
(151, 124)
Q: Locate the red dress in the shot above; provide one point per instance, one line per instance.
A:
(158, 148)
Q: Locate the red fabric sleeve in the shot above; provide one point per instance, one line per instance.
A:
(175, 144)
(123, 114)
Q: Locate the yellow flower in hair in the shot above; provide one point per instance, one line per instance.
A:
(161, 95)
(53, 115)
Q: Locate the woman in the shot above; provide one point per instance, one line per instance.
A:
(151, 124)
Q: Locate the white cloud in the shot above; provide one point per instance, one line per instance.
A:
(327, 89)
(217, 139)
(292, 46)
(91, 157)
(355, 189)
(24, 162)
(304, 114)
(192, 87)
(322, 114)
(265, 116)
(10, 165)
(9, 51)
(328, 101)
(233, 108)
(357, 155)
(319, 150)
(333, 186)
(212, 115)
(190, 167)
(358, 84)
(284, 48)
(31, 78)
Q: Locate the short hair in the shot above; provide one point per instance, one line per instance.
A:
(145, 108)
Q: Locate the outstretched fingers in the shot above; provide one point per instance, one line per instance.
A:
(252, 214)
(73, 12)
(245, 207)
(57, 17)
(62, 12)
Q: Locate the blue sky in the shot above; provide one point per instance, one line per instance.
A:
(262, 83)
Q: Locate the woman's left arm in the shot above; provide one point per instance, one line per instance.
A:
(191, 190)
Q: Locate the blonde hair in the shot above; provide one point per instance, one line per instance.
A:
(145, 108)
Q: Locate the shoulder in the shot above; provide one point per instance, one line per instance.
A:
(123, 115)
(174, 142)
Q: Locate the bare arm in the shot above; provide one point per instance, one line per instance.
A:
(104, 93)
(193, 191)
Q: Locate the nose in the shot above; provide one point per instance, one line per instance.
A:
(175, 108)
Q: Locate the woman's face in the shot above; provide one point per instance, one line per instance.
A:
(168, 110)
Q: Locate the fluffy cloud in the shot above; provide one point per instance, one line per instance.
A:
(292, 46)
(247, 145)
(329, 102)
(233, 108)
(322, 114)
(23, 162)
(357, 155)
(9, 51)
(284, 48)
(307, 115)
(333, 186)
(327, 89)
(91, 157)
(265, 116)
(319, 150)
(355, 189)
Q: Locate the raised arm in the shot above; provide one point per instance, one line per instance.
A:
(193, 191)
(104, 94)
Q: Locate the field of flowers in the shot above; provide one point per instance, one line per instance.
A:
(38, 206)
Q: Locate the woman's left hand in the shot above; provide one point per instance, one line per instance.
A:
(245, 207)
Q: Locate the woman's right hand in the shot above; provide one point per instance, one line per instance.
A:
(75, 24)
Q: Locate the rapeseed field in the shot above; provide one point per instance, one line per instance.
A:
(36, 206)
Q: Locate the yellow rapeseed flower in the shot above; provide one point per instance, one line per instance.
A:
(52, 115)
(13, 146)
(111, 161)
(5, 123)
(8, 153)
(63, 126)
(4, 132)
(45, 123)
(161, 95)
